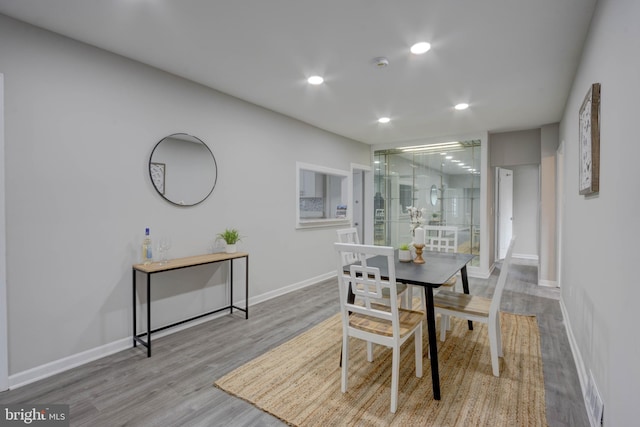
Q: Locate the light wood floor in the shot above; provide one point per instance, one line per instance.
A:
(174, 387)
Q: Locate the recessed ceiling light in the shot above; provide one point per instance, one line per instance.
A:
(420, 48)
(315, 80)
(384, 120)
(449, 157)
(461, 106)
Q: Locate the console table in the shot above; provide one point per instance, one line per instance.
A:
(176, 264)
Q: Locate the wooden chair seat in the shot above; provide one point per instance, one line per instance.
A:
(464, 303)
(451, 282)
(408, 321)
(401, 287)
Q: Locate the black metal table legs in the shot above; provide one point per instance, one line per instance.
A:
(465, 288)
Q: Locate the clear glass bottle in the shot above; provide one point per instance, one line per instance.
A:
(147, 248)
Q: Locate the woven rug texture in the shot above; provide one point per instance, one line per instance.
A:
(299, 381)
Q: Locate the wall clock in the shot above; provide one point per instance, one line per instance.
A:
(589, 142)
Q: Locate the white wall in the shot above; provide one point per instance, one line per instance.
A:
(526, 192)
(80, 126)
(600, 291)
(515, 148)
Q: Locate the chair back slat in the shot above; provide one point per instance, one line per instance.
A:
(502, 280)
(348, 235)
(441, 238)
(367, 284)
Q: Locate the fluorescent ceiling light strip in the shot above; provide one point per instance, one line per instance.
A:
(432, 147)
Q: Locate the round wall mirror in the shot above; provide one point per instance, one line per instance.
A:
(433, 195)
(182, 169)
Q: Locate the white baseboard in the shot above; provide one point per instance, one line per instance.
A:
(57, 366)
(290, 288)
(577, 356)
(41, 372)
(479, 273)
(529, 257)
(548, 283)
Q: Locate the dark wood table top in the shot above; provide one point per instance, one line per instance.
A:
(436, 270)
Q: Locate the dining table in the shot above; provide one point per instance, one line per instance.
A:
(437, 269)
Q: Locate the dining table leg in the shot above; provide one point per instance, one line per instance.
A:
(433, 342)
(465, 288)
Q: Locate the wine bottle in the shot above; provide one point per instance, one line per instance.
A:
(147, 252)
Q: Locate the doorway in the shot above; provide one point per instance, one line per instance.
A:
(504, 217)
(362, 201)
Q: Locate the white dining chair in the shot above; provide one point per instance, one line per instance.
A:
(442, 239)
(477, 309)
(350, 235)
(371, 318)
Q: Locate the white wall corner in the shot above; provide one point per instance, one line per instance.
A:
(480, 273)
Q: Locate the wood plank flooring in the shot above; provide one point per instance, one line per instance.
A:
(175, 386)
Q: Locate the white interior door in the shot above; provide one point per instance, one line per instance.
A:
(4, 349)
(505, 210)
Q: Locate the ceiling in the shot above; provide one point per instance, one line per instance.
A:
(512, 61)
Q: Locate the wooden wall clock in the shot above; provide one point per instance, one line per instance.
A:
(589, 141)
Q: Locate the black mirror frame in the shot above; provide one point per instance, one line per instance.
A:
(215, 181)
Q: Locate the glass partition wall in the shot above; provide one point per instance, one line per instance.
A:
(441, 179)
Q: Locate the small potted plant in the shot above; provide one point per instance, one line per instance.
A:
(231, 236)
(404, 253)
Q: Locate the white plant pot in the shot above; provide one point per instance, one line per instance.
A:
(230, 249)
(404, 256)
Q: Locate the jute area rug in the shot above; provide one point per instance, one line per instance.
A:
(299, 381)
